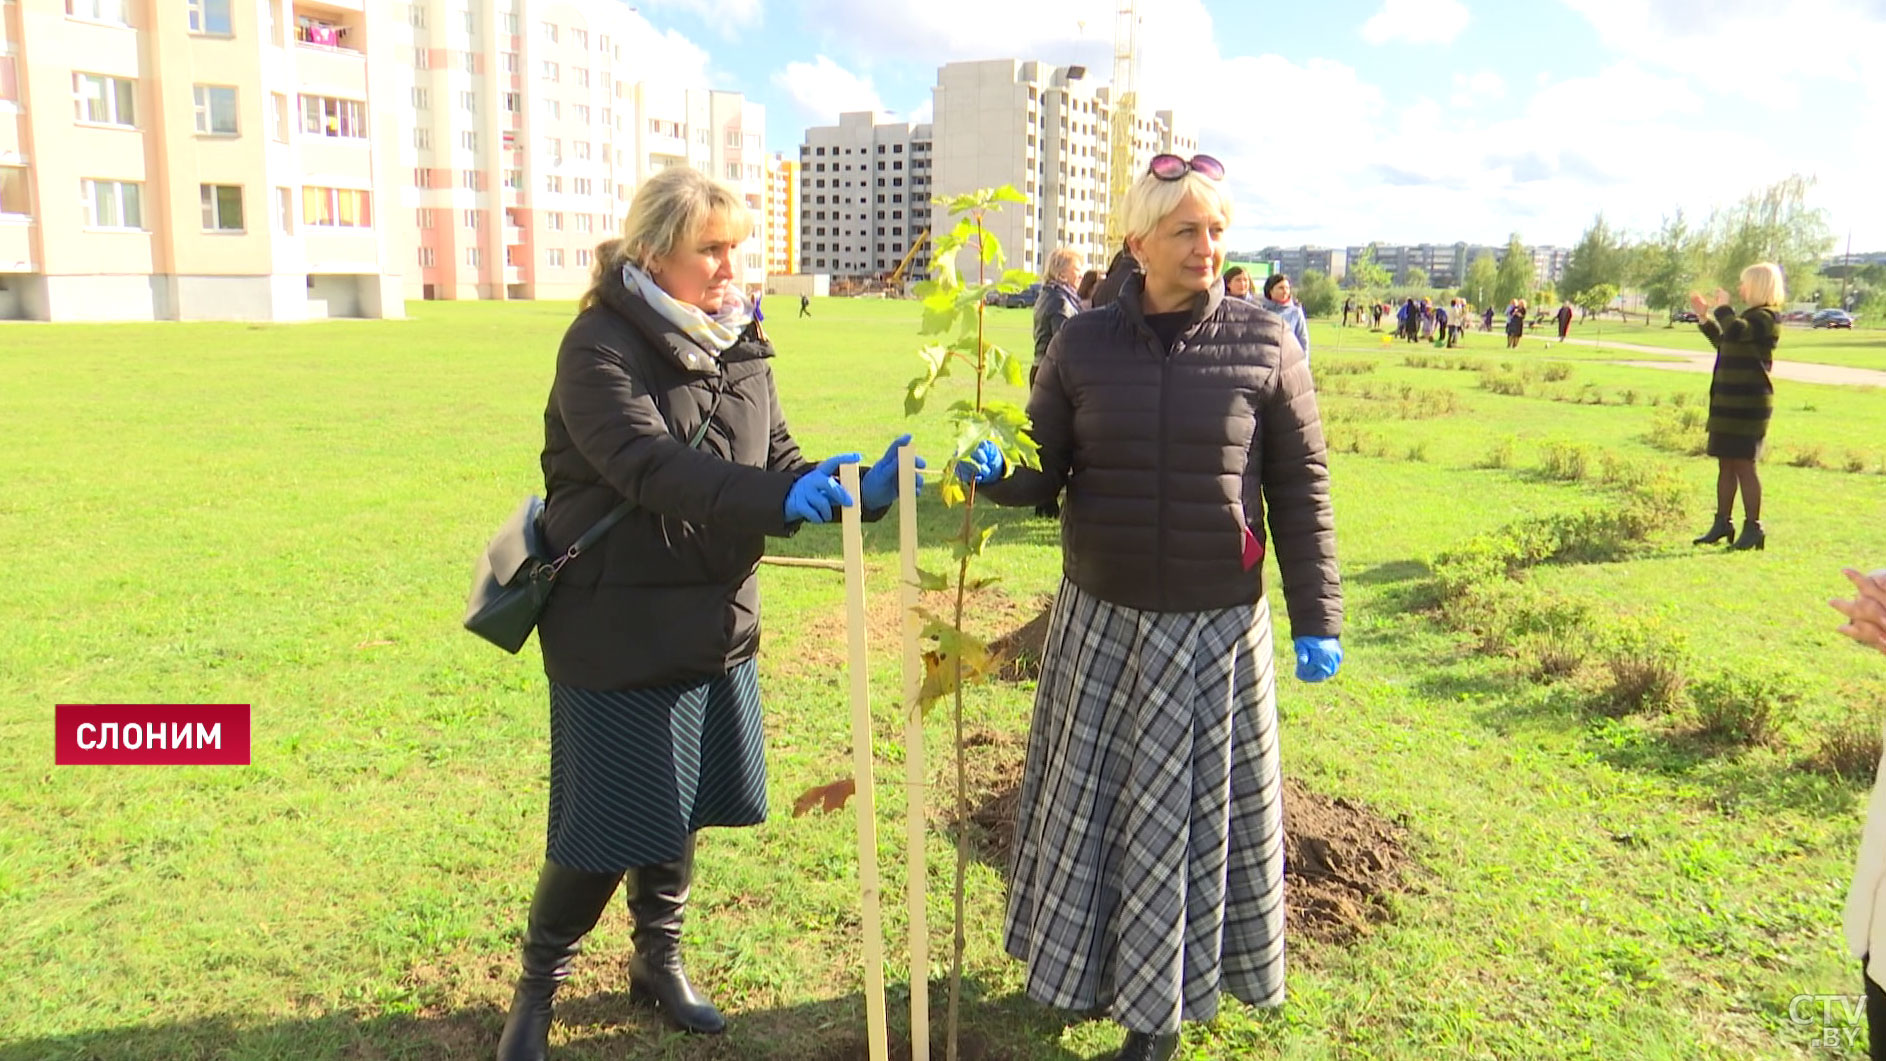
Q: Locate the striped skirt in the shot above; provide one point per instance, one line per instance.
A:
(634, 772)
(1148, 859)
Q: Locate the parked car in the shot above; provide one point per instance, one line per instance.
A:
(1683, 316)
(1832, 318)
(1024, 298)
(1797, 316)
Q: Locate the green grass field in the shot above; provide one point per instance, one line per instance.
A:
(286, 517)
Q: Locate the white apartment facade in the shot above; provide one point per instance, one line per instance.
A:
(202, 160)
(529, 139)
(1046, 131)
(863, 197)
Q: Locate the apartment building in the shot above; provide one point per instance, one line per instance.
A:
(722, 134)
(197, 160)
(1446, 263)
(1295, 261)
(782, 216)
(864, 197)
(1046, 130)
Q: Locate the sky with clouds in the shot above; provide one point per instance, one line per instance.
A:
(1394, 120)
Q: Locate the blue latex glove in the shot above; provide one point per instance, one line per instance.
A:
(879, 485)
(984, 465)
(1318, 658)
(814, 496)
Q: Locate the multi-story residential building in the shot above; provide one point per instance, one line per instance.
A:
(1045, 130)
(782, 220)
(1295, 261)
(1446, 264)
(206, 159)
(530, 135)
(864, 197)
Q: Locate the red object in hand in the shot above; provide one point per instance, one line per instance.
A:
(1253, 549)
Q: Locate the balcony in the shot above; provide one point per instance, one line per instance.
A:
(331, 27)
(16, 244)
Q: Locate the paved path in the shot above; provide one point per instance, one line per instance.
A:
(1794, 371)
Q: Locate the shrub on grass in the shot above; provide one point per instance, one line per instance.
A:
(1850, 749)
(1808, 456)
(1743, 705)
(1569, 461)
(1644, 662)
(1500, 454)
(1554, 371)
(1506, 383)
(1678, 430)
(1856, 461)
(1344, 366)
(1418, 451)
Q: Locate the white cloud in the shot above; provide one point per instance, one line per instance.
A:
(1068, 31)
(925, 112)
(1477, 89)
(726, 16)
(1416, 22)
(823, 90)
(666, 57)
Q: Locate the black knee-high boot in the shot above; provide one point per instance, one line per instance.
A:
(567, 905)
(658, 897)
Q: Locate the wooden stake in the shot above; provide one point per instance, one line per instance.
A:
(803, 561)
(861, 766)
(914, 768)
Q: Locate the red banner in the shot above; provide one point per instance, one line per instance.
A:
(151, 735)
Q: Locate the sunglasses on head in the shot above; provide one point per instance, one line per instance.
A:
(1172, 167)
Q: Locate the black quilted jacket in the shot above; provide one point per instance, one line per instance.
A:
(1167, 459)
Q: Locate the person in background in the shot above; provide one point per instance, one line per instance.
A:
(1407, 320)
(662, 398)
(1741, 397)
(1279, 299)
(1147, 866)
(805, 306)
(1441, 324)
(1515, 323)
(1238, 285)
(1089, 280)
(1123, 266)
(1349, 307)
(1486, 319)
(1865, 919)
(1377, 312)
(1565, 320)
(1056, 305)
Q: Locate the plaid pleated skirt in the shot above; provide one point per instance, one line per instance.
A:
(1148, 863)
(634, 772)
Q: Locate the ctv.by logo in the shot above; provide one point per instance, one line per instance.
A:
(1835, 1019)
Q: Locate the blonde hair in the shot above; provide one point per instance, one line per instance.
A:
(1764, 284)
(668, 209)
(1062, 260)
(1151, 199)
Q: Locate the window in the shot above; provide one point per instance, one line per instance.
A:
(113, 204)
(468, 101)
(468, 140)
(427, 259)
(336, 207)
(473, 179)
(105, 100)
(553, 220)
(474, 257)
(550, 71)
(581, 147)
(703, 137)
(581, 186)
(416, 16)
(514, 178)
(472, 218)
(327, 116)
(552, 109)
(422, 177)
(549, 31)
(586, 222)
(513, 101)
(510, 256)
(733, 171)
(210, 16)
(222, 207)
(215, 110)
(422, 139)
(733, 138)
(554, 257)
(285, 209)
(582, 76)
(510, 23)
(471, 60)
(580, 111)
(15, 196)
(510, 62)
(9, 80)
(425, 218)
(422, 100)
(580, 38)
(471, 25)
(422, 58)
(113, 11)
(583, 258)
(553, 183)
(553, 150)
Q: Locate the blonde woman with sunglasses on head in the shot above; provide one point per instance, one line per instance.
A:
(1148, 857)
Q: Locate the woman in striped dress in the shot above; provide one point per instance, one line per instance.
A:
(1741, 397)
(662, 417)
(1148, 860)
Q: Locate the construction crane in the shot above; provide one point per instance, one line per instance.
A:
(898, 273)
(1125, 100)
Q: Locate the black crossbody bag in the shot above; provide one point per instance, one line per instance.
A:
(515, 573)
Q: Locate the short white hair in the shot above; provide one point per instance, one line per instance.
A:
(1063, 260)
(1151, 199)
(1765, 284)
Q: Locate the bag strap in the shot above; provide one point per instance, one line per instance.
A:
(602, 526)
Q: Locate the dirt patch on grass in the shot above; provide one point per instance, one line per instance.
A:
(1342, 860)
(1020, 649)
(824, 640)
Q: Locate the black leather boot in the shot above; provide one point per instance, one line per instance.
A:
(1142, 1047)
(1752, 537)
(1721, 530)
(567, 904)
(658, 897)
